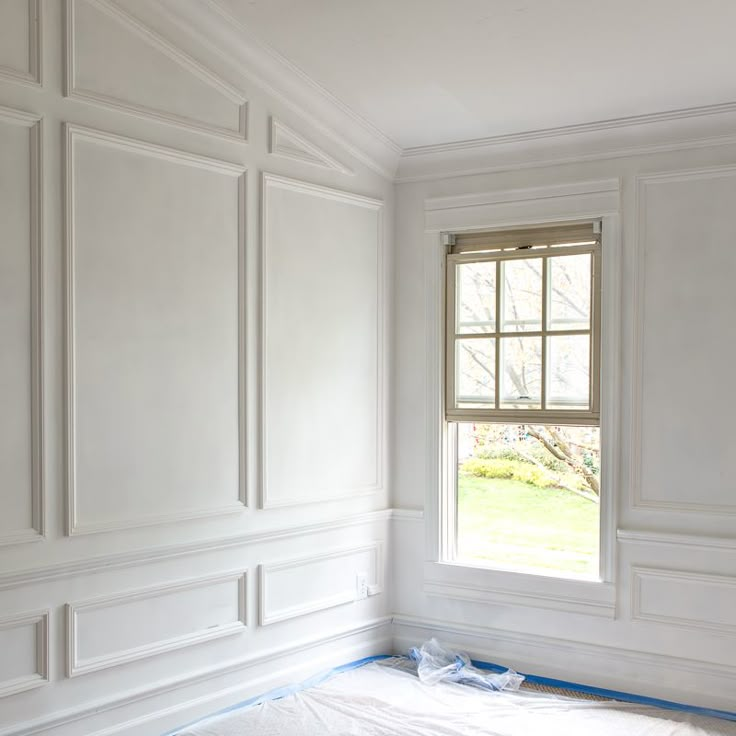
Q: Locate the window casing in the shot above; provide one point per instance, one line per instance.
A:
(522, 339)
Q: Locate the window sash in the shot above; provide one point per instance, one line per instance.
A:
(542, 415)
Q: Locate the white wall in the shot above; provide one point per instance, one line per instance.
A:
(193, 377)
(671, 631)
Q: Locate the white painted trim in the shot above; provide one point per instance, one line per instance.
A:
(637, 497)
(640, 573)
(72, 90)
(304, 151)
(37, 530)
(463, 582)
(34, 75)
(151, 555)
(266, 617)
(72, 133)
(75, 714)
(516, 208)
(572, 659)
(272, 180)
(520, 207)
(635, 536)
(566, 130)
(75, 666)
(41, 677)
(408, 515)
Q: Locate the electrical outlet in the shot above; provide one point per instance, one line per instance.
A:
(361, 586)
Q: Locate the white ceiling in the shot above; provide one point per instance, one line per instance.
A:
(437, 71)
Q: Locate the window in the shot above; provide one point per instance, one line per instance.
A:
(522, 399)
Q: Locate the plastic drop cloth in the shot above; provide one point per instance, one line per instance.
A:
(436, 663)
(386, 698)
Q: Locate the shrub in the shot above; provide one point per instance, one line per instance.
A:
(507, 470)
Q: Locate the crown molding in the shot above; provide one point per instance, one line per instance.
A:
(697, 127)
(212, 27)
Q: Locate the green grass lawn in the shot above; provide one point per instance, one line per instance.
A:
(518, 525)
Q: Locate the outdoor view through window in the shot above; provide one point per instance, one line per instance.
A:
(523, 337)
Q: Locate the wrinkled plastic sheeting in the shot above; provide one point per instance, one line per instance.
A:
(435, 663)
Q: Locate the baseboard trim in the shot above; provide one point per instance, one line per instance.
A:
(102, 705)
(537, 653)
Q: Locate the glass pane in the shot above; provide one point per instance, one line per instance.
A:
(475, 373)
(569, 292)
(521, 295)
(521, 508)
(476, 297)
(521, 372)
(568, 372)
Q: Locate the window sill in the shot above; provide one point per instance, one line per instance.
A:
(463, 582)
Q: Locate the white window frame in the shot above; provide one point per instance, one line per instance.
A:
(513, 209)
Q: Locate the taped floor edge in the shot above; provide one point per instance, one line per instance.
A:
(556, 684)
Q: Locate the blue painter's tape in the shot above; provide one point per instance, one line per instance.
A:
(282, 692)
(614, 694)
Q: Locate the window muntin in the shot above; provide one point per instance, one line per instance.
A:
(523, 326)
(523, 343)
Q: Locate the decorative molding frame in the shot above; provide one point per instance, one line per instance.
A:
(34, 123)
(637, 498)
(640, 574)
(34, 75)
(184, 60)
(75, 667)
(72, 133)
(497, 210)
(60, 718)
(116, 561)
(40, 620)
(301, 149)
(266, 617)
(273, 180)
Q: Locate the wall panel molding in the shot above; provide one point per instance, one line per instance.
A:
(638, 497)
(717, 594)
(286, 142)
(150, 555)
(72, 135)
(32, 75)
(636, 536)
(40, 623)
(127, 22)
(79, 665)
(34, 124)
(271, 182)
(344, 589)
(168, 685)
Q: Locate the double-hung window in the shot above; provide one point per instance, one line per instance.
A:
(522, 399)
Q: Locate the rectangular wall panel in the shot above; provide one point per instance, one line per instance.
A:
(24, 659)
(122, 628)
(21, 513)
(307, 584)
(681, 598)
(322, 344)
(688, 342)
(154, 345)
(20, 40)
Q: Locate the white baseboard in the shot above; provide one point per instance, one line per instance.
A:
(655, 675)
(298, 659)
